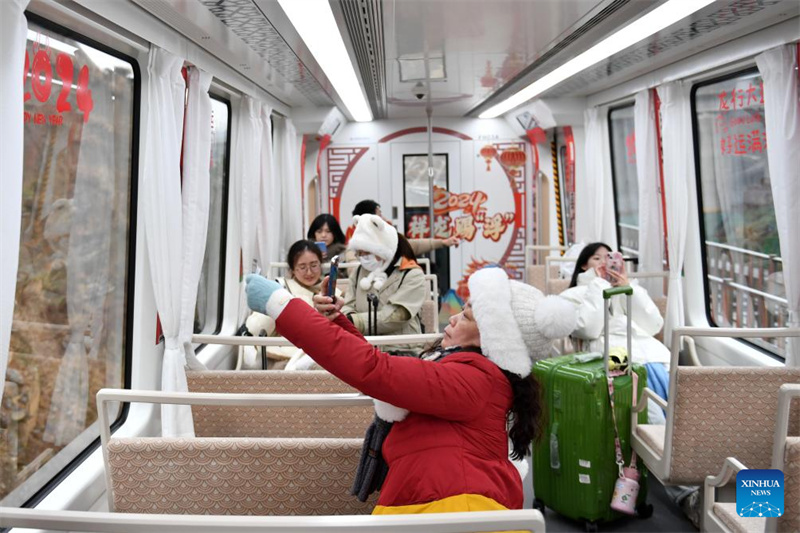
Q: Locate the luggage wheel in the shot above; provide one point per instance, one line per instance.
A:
(539, 505)
(644, 510)
(591, 527)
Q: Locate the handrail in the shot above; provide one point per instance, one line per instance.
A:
(551, 259)
(464, 522)
(744, 251)
(750, 290)
(207, 398)
(377, 340)
(627, 226)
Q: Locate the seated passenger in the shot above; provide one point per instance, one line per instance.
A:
(586, 292)
(388, 269)
(325, 228)
(303, 281)
(419, 246)
(455, 409)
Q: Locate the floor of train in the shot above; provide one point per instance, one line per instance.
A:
(667, 517)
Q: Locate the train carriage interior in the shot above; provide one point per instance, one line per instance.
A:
(160, 152)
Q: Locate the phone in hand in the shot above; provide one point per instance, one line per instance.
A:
(322, 247)
(332, 277)
(615, 262)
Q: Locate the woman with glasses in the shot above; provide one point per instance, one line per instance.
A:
(303, 281)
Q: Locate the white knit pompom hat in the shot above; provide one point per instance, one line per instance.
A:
(378, 237)
(516, 321)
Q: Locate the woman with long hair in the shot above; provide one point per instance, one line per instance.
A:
(453, 411)
(326, 229)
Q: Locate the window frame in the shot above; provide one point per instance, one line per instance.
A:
(744, 71)
(624, 105)
(127, 355)
(226, 175)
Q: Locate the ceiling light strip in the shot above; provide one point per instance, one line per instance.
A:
(650, 24)
(314, 21)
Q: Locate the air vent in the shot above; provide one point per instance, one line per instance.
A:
(729, 14)
(364, 20)
(248, 22)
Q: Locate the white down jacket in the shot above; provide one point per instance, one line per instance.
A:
(647, 321)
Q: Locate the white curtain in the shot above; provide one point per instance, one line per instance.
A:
(778, 68)
(650, 236)
(678, 172)
(246, 170)
(595, 219)
(288, 165)
(269, 193)
(13, 32)
(87, 262)
(163, 223)
(195, 195)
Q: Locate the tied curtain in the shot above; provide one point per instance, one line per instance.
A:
(678, 172)
(175, 215)
(650, 239)
(13, 35)
(778, 68)
(596, 221)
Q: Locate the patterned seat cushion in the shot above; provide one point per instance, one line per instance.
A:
(653, 436)
(235, 476)
(726, 512)
(724, 412)
(301, 422)
(790, 521)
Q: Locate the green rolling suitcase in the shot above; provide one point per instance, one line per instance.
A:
(574, 464)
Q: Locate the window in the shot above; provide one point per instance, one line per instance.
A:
(743, 268)
(208, 313)
(623, 170)
(70, 332)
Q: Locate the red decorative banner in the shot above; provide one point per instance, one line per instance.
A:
(40, 74)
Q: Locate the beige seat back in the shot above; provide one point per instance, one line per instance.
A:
(661, 303)
(536, 276)
(235, 476)
(322, 422)
(557, 286)
(429, 316)
(722, 412)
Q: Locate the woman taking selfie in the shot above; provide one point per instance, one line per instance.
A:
(455, 409)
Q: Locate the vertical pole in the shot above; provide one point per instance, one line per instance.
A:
(557, 190)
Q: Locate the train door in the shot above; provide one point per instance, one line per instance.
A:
(410, 194)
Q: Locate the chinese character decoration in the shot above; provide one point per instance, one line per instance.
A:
(488, 152)
(514, 160)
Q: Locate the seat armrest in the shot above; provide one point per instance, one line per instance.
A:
(691, 351)
(730, 468)
(650, 394)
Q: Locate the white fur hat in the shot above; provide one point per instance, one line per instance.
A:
(374, 235)
(516, 321)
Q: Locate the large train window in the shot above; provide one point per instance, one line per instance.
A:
(623, 170)
(208, 313)
(70, 335)
(743, 267)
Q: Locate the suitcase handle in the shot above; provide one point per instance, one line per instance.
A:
(607, 294)
(613, 291)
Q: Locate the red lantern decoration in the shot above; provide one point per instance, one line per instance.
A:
(488, 80)
(513, 158)
(488, 152)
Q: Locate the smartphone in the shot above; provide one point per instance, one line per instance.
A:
(614, 262)
(332, 277)
(322, 247)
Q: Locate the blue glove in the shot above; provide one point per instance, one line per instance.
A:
(259, 289)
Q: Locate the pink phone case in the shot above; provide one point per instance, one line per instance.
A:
(613, 262)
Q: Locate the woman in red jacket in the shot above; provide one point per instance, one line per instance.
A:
(455, 410)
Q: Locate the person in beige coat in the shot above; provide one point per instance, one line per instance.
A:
(388, 270)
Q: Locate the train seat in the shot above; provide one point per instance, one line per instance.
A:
(722, 516)
(308, 422)
(235, 476)
(713, 413)
(536, 275)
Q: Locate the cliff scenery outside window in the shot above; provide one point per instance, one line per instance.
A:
(69, 326)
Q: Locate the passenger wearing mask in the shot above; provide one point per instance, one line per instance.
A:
(419, 246)
(459, 413)
(303, 281)
(325, 228)
(387, 269)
